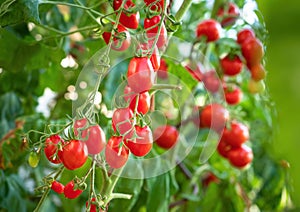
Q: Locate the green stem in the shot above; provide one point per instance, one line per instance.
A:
(88, 11)
(65, 3)
(119, 196)
(165, 86)
(183, 9)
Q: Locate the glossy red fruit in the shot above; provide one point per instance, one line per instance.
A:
(228, 14)
(231, 66)
(57, 187)
(233, 95)
(121, 41)
(74, 154)
(128, 20)
(211, 81)
(223, 148)
(143, 101)
(155, 59)
(122, 121)
(51, 148)
(116, 155)
(210, 29)
(166, 136)
(155, 5)
(258, 72)
(210, 178)
(244, 34)
(236, 135)
(241, 156)
(151, 26)
(141, 145)
(93, 206)
(252, 51)
(140, 74)
(214, 116)
(163, 70)
(69, 191)
(93, 136)
(195, 72)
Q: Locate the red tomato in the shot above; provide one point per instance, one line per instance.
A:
(163, 70)
(155, 5)
(128, 20)
(223, 148)
(57, 187)
(195, 72)
(210, 29)
(140, 74)
(231, 66)
(93, 206)
(151, 26)
(211, 81)
(209, 178)
(155, 59)
(69, 191)
(165, 136)
(214, 116)
(122, 121)
(237, 135)
(93, 136)
(116, 156)
(118, 43)
(244, 34)
(228, 13)
(142, 144)
(233, 95)
(240, 156)
(252, 51)
(258, 72)
(51, 150)
(74, 154)
(143, 102)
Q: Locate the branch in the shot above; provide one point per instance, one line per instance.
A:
(183, 9)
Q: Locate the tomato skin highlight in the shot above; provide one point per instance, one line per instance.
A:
(231, 66)
(240, 157)
(115, 44)
(237, 135)
(140, 74)
(143, 101)
(74, 154)
(57, 187)
(51, 148)
(210, 29)
(115, 155)
(69, 191)
(122, 121)
(141, 145)
(166, 136)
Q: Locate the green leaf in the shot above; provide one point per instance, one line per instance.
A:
(16, 11)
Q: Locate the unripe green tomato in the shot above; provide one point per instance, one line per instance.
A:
(256, 86)
(33, 159)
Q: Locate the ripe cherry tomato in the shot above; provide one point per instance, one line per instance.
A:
(163, 70)
(140, 74)
(223, 148)
(209, 178)
(211, 81)
(143, 102)
(233, 95)
(214, 116)
(57, 187)
(128, 20)
(141, 145)
(156, 5)
(69, 191)
(166, 136)
(228, 13)
(151, 26)
(93, 206)
(252, 51)
(240, 156)
(244, 34)
(256, 86)
(258, 72)
(210, 29)
(155, 59)
(74, 154)
(116, 156)
(231, 66)
(93, 136)
(119, 44)
(122, 121)
(51, 148)
(237, 135)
